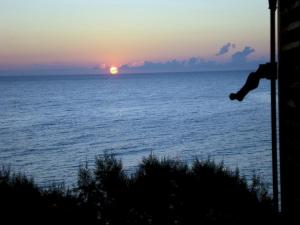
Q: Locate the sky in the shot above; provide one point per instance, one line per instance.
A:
(89, 36)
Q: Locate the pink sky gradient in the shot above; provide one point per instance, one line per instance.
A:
(84, 34)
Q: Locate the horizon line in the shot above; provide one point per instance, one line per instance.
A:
(14, 74)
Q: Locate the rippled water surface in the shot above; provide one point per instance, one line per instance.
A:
(49, 125)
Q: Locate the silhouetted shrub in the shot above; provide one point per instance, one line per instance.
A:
(159, 192)
(169, 192)
(23, 202)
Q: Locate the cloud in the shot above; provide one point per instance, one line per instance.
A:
(241, 56)
(225, 49)
(191, 64)
(238, 61)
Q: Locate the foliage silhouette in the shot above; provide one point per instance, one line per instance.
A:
(23, 202)
(160, 191)
(169, 192)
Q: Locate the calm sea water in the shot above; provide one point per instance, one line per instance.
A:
(49, 125)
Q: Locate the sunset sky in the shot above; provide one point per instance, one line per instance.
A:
(92, 35)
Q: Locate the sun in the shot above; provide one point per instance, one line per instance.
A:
(113, 70)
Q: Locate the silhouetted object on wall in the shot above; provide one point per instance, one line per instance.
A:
(263, 71)
(268, 71)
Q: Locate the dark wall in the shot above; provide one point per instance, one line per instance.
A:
(289, 104)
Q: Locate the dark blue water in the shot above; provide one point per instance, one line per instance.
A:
(49, 125)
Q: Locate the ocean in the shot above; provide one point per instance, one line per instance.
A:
(50, 125)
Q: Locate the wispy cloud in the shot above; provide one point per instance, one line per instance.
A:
(225, 49)
(237, 61)
(241, 56)
(175, 65)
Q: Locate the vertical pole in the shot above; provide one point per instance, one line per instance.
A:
(272, 7)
